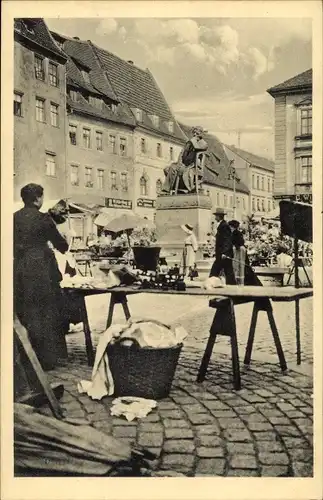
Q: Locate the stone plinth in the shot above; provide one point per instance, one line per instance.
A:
(173, 211)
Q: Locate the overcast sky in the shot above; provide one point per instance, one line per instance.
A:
(214, 72)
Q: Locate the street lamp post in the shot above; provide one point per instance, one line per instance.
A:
(232, 175)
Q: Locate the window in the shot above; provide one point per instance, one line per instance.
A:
(17, 104)
(171, 153)
(72, 130)
(96, 102)
(263, 183)
(253, 205)
(73, 95)
(306, 121)
(88, 177)
(75, 175)
(159, 150)
(306, 169)
(143, 186)
(155, 120)
(238, 202)
(274, 204)
(244, 203)
(272, 185)
(143, 145)
(231, 201)
(113, 179)
(159, 186)
(123, 146)
(50, 164)
(124, 181)
(218, 199)
(100, 179)
(225, 200)
(257, 181)
(112, 143)
(86, 138)
(268, 185)
(269, 207)
(258, 204)
(53, 74)
(263, 205)
(138, 115)
(39, 68)
(99, 140)
(171, 127)
(54, 114)
(86, 76)
(40, 109)
(253, 181)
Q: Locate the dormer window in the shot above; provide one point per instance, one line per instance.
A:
(73, 95)
(86, 76)
(155, 120)
(96, 102)
(138, 114)
(171, 127)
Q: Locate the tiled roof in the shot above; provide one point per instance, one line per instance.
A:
(121, 115)
(299, 81)
(255, 160)
(37, 33)
(217, 164)
(138, 88)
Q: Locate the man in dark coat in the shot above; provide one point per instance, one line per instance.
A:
(38, 300)
(223, 249)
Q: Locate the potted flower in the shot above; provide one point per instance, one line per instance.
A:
(145, 252)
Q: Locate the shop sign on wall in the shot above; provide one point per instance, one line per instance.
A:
(118, 203)
(146, 203)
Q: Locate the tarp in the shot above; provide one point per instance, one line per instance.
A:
(46, 445)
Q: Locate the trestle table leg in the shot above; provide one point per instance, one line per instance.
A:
(275, 333)
(251, 335)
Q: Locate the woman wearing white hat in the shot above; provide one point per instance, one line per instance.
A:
(189, 250)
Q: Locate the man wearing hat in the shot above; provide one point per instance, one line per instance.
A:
(223, 249)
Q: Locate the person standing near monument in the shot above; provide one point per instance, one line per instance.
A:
(189, 250)
(223, 249)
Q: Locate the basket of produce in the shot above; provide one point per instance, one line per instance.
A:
(143, 359)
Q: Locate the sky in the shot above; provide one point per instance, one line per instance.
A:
(213, 72)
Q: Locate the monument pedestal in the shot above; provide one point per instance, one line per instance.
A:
(172, 212)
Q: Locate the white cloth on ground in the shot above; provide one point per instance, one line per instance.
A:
(132, 407)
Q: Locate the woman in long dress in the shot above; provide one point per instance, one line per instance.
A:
(38, 299)
(189, 250)
(243, 272)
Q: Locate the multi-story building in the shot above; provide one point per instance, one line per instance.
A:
(157, 139)
(293, 137)
(39, 109)
(225, 193)
(99, 152)
(258, 174)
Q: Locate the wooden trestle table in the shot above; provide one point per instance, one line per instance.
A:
(224, 300)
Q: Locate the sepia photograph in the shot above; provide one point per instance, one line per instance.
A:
(163, 248)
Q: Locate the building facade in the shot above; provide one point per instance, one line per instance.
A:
(157, 139)
(258, 174)
(39, 109)
(293, 138)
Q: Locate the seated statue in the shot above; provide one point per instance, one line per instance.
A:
(188, 170)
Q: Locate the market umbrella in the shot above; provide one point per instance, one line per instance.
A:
(126, 223)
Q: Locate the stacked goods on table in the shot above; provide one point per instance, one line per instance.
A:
(170, 279)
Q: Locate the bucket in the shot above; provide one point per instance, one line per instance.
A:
(146, 258)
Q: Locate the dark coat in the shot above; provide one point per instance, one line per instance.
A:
(37, 294)
(223, 246)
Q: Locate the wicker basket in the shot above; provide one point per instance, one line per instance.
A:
(143, 372)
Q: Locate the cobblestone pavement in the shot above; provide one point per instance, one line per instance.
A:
(208, 429)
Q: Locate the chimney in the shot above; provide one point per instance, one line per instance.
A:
(75, 38)
(130, 62)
